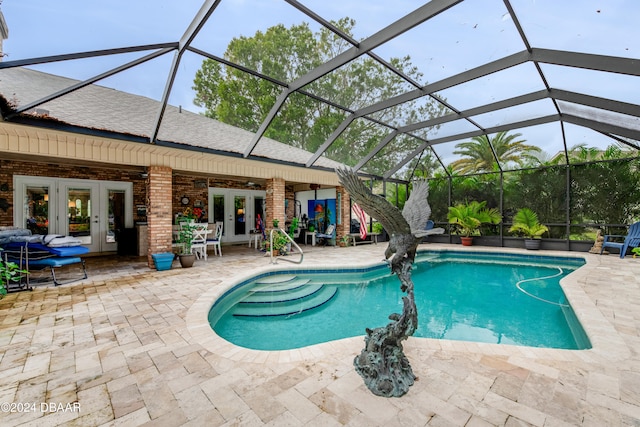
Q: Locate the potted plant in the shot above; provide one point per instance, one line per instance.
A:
(525, 223)
(293, 227)
(185, 236)
(344, 241)
(280, 242)
(468, 217)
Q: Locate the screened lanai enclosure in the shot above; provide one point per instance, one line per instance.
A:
(519, 103)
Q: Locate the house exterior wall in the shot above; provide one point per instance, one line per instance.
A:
(23, 141)
(40, 151)
(9, 168)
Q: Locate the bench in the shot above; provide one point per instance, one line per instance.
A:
(371, 238)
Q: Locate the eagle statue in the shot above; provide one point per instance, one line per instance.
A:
(382, 363)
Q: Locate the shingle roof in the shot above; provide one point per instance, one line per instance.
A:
(102, 108)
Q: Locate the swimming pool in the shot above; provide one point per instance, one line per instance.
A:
(471, 296)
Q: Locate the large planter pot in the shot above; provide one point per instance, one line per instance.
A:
(532, 244)
(163, 260)
(187, 260)
(466, 241)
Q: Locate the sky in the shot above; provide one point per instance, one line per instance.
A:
(466, 36)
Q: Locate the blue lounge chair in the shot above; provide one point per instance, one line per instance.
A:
(37, 256)
(631, 240)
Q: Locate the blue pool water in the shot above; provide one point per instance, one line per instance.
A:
(496, 298)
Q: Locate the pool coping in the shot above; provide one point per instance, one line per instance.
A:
(600, 332)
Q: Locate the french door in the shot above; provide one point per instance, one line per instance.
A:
(238, 210)
(90, 210)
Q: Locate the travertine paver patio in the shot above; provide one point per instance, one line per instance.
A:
(130, 346)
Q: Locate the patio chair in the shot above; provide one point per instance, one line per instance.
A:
(631, 240)
(216, 237)
(329, 235)
(199, 240)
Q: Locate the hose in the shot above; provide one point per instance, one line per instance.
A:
(541, 278)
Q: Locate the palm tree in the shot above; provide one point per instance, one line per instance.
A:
(479, 152)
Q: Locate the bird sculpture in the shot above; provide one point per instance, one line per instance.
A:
(382, 363)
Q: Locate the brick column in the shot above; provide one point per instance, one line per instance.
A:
(275, 202)
(343, 211)
(159, 218)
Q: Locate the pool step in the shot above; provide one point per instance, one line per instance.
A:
(284, 285)
(279, 294)
(285, 303)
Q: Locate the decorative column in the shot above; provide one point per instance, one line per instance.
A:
(275, 202)
(343, 208)
(159, 216)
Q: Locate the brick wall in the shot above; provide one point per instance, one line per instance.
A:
(9, 168)
(195, 188)
(159, 218)
(275, 202)
(344, 211)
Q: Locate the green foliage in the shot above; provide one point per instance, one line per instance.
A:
(468, 217)
(284, 54)
(606, 192)
(185, 236)
(479, 154)
(525, 223)
(9, 272)
(542, 190)
(293, 226)
(280, 241)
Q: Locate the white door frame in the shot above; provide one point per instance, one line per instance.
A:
(229, 195)
(58, 207)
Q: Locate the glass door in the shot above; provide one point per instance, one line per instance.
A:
(239, 216)
(238, 210)
(80, 213)
(93, 211)
(37, 212)
(116, 219)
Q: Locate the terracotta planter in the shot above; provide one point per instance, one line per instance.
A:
(466, 241)
(187, 260)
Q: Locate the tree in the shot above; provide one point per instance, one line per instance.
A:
(241, 99)
(479, 152)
